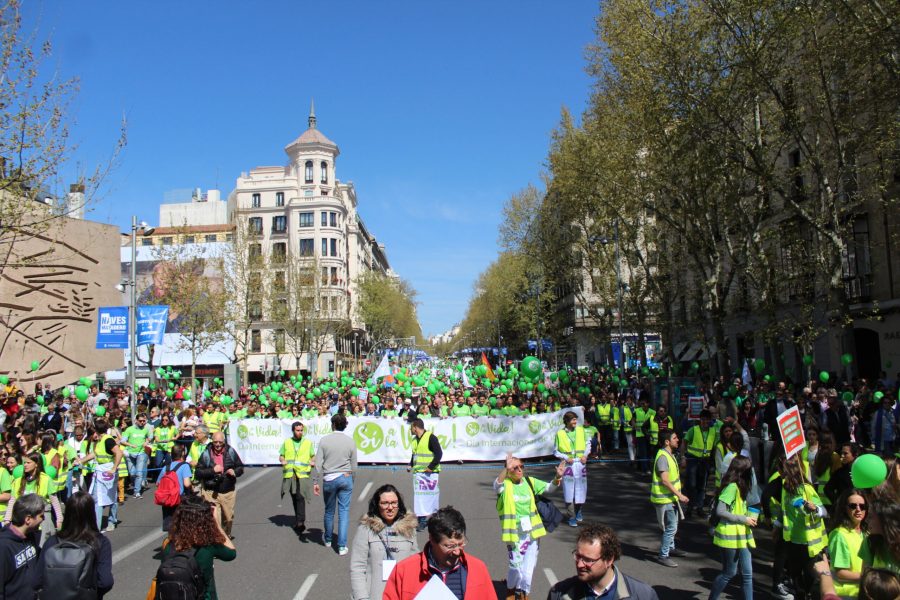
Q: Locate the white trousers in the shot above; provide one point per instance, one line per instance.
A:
(522, 561)
(574, 483)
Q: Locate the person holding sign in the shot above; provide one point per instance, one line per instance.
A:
(802, 526)
(572, 447)
(425, 465)
(296, 458)
(521, 526)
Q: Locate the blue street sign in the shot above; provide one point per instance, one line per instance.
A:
(112, 327)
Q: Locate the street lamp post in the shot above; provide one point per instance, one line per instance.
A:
(619, 285)
(132, 312)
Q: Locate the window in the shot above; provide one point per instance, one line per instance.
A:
(167, 240)
(857, 266)
(254, 252)
(307, 193)
(279, 224)
(334, 275)
(324, 247)
(229, 237)
(307, 247)
(278, 282)
(797, 183)
(255, 340)
(279, 252)
(324, 192)
(188, 239)
(324, 275)
(305, 277)
(146, 241)
(333, 218)
(334, 251)
(324, 168)
(254, 311)
(307, 176)
(279, 198)
(324, 219)
(278, 338)
(209, 238)
(255, 225)
(306, 219)
(256, 201)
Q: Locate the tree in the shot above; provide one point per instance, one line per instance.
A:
(245, 268)
(34, 141)
(387, 306)
(190, 282)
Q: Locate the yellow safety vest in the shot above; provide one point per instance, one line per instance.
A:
(165, 438)
(41, 487)
(700, 445)
(298, 457)
(734, 535)
(603, 412)
(509, 520)
(100, 454)
(4, 474)
(640, 416)
(629, 415)
(801, 527)
(564, 444)
(423, 455)
(654, 429)
(213, 421)
(660, 494)
(48, 462)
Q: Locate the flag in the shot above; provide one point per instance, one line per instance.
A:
(490, 372)
(465, 379)
(746, 378)
(383, 370)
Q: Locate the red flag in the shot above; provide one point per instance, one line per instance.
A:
(490, 372)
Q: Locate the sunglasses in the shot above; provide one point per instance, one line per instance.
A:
(855, 506)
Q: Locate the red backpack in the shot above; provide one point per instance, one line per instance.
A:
(168, 491)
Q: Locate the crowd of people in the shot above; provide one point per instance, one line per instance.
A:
(66, 455)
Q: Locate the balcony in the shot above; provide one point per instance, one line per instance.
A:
(859, 288)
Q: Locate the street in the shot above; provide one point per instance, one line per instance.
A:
(273, 563)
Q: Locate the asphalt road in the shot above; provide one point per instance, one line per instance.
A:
(272, 563)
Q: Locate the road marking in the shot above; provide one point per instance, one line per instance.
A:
(304, 589)
(152, 537)
(551, 577)
(364, 494)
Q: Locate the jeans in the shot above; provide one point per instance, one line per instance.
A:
(667, 517)
(161, 460)
(697, 472)
(113, 514)
(137, 468)
(732, 558)
(643, 452)
(616, 441)
(338, 491)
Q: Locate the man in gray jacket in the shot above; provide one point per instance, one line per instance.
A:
(336, 462)
(596, 551)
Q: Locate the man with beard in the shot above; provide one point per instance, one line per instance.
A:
(596, 551)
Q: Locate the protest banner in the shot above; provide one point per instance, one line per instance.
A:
(695, 406)
(791, 429)
(388, 440)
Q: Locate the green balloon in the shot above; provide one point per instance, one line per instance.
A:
(152, 386)
(100, 411)
(868, 471)
(824, 376)
(759, 364)
(531, 367)
(376, 399)
(35, 365)
(81, 392)
(169, 393)
(807, 360)
(18, 472)
(51, 471)
(66, 392)
(846, 359)
(879, 395)
(847, 397)
(207, 394)
(4, 379)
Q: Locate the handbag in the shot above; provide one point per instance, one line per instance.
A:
(551, 516)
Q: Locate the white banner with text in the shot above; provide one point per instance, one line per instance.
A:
(388, 440)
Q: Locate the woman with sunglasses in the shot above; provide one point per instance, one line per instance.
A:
(845, 540)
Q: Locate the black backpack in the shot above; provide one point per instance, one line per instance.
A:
(70, 572)
(179, 577)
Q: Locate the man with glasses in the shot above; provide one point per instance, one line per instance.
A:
(521, 526)
(296, 457)
(134, 439)
(442, 564)
(217, 471)
(596, 576)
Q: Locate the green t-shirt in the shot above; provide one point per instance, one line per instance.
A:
(309, 413)
(729, 494)
(6, 480)
(481, 411)
(136, 437)
(522, 495)
(496, 412)
(511, 411)
(589, 432)
(462, 410)
(881, 560)
(389, 413)
(284, 414)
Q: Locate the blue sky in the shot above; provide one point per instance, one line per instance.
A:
(442, 110)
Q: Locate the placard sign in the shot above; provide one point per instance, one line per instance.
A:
(695, 406)
(791, 429)
(363, 394)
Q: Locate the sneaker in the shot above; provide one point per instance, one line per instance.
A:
(579, 517)
(112, 527)
(666, 561)
(327, 543)
(573, 522)
(677, 553)
(781, 593)
(343, 551)
(138, 496)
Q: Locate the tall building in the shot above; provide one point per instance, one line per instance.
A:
(299, 216)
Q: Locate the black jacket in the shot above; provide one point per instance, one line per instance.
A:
(218, 482)
(625, 588)
(18, 557)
